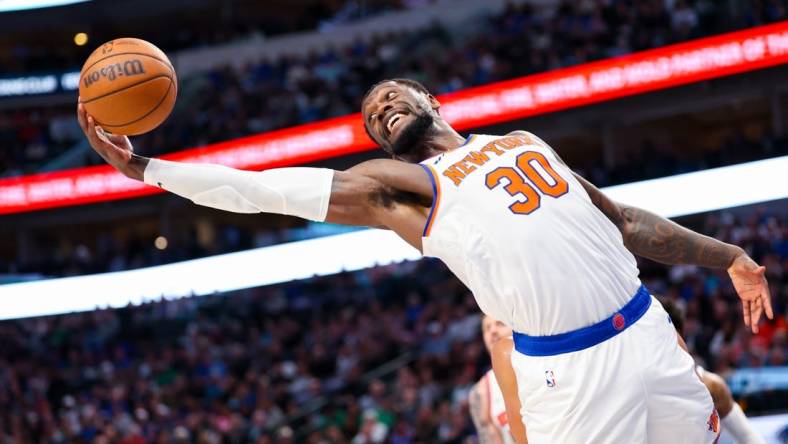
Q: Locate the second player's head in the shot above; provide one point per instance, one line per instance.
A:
(399, 115)
(675, 314)
(493, 330)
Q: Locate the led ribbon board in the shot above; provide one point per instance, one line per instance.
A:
(39, 84)
(23, 5)
(637, 73)
(670, 196)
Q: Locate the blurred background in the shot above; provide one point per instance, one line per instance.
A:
(366, 354)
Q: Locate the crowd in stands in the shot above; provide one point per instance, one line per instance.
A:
(30, 138)
(27, 53)
(383, 355)
(650, 161)
(267, 95)
(58, 254)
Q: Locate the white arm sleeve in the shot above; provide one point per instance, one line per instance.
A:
(738, 426)
(302, 192)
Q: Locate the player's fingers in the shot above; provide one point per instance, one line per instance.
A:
(81, 117)
(117, 139)
(756, 310)
(102, 135)
(91, 129)
(112, 149)
(745, 309)
(766, 298)
(93, 137)
(761, 270)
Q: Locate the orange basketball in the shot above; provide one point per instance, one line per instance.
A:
(128, 86)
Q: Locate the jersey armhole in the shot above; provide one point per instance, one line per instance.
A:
(436, 199)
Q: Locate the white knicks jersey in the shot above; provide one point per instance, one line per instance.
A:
(513, 223)
(498, 407)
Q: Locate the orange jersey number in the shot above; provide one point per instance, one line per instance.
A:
(518, 185)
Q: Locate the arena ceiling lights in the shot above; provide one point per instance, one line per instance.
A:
(672, 196)
(637, 73)
(22, 5)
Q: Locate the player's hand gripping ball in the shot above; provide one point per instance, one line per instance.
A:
(128, 85)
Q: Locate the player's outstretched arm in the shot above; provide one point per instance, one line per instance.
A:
(480, 414)
(365, 195)
(657, 238)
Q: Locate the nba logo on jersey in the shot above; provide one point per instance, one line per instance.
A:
(549, 378)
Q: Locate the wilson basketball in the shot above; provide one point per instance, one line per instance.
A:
(128, 85)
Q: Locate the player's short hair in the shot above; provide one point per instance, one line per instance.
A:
(418, 86)
(481, 320)
(676, 317)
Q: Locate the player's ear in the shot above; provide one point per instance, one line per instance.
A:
(434, 103)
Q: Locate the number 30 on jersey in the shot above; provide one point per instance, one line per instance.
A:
(526, 168)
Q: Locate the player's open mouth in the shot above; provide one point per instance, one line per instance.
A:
(393, 122)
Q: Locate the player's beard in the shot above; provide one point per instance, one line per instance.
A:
(411, 139)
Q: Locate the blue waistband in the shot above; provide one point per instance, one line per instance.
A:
(586, 337)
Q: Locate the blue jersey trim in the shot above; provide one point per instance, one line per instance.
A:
(586, 337)
(467, 140)
(435, 199)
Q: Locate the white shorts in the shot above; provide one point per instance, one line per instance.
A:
(636, 387)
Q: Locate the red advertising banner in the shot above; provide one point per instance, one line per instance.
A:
(637, 73)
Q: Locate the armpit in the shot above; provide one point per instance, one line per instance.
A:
(387, 197)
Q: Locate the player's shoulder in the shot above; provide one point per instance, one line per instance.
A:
(376, 165)
(532, 138)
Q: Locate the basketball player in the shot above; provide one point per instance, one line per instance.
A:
(542, 250)
(485, 401)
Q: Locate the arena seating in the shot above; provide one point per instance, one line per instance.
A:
(383, 355)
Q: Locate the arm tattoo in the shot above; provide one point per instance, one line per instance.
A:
(484, 430)
(662, 240)
(659, 239)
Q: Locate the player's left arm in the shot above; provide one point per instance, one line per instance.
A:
(501, 355)
(662, 240)
(733, 418)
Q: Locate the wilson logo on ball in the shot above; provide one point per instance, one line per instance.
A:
(107, 47)
(112, 72)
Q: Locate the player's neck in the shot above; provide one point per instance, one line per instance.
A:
(441, 138)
